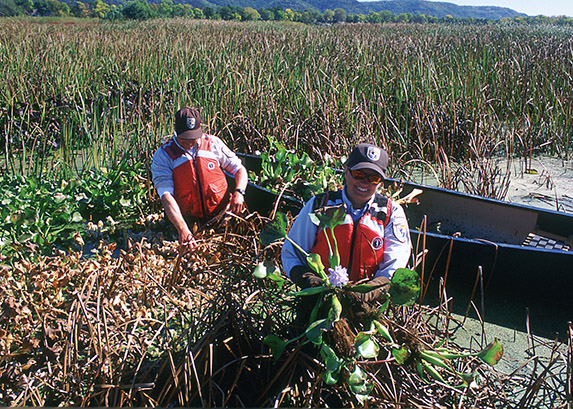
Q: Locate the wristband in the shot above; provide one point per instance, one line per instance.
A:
(241, 191)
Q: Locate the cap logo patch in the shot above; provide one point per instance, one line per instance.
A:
(190, 123)
(373, 153)
(377, 243)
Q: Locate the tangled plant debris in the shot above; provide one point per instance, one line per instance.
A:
(153, 327)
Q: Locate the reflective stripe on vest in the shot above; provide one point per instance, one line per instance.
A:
(360, 244)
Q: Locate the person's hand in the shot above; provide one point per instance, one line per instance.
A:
(377, 294)
(186, 240)
(237, 203)
(304, 278)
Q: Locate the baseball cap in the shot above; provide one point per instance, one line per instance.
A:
(188, 123)
(368, 156)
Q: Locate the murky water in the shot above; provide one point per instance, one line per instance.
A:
(545, 182)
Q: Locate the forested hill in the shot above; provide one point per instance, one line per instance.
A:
(429, 8)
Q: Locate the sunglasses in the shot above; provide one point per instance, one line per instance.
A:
(359, 175)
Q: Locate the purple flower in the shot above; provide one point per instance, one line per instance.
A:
(338, 277)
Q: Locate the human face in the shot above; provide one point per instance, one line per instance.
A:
(360, 191)
(188, 143)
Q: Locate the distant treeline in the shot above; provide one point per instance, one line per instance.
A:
(142, 10)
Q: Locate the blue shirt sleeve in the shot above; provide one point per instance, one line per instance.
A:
(302, 232)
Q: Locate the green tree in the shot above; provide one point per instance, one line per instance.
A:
(250, 14)
(166, 8)
(198, 13)
(211, 14)
(80, 9)
(280, 14)
(115, 14)
(311, 16)
(100, 9)
(386, 16)
(404, 18)
(51, 8)
(138, 10)
(328, 16)
(25, 6)
(230, 13)
(8, 8)
(339, 15)
(290, 15)
(267, 14)
(419, 18)
(373, 17)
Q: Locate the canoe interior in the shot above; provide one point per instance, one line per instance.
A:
(461, 215)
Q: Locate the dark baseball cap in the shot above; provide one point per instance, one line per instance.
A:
(367, 156)
(188, 123)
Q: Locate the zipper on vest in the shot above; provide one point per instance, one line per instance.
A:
(200, 187)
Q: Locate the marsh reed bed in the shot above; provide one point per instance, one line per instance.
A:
(431, 93)
(146, 326)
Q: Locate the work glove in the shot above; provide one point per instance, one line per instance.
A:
(304, 278)
(379, 294)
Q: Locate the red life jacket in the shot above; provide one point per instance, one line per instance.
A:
(361, 244)
(200, 185)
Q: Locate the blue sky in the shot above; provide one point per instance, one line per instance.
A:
(530, 7)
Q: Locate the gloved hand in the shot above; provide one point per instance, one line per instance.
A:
(378, 294)
(304, 278)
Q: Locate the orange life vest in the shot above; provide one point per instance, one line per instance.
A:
(360, 244)
(199, 184)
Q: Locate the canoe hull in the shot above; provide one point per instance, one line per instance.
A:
(465, 233)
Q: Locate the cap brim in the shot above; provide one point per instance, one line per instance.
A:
(371, 166)
(191, 134)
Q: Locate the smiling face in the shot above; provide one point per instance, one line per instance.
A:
(360, 191)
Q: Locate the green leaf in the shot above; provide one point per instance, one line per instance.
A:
(266, 269)
(332, 362)
(362, 288)
(330, 378)
(274, 230)
(310, 291)
(315, 263)
(433, 372)
(492, 353)
(358, 382)
(315, 310)
(314, 331)
(470, 377)
(400, 355)
(383, 307)
(383, 330)
(335, 310)
(405, 287)
(277, 278)
(260, 271)
(276, 345)
(366, 346)
(329, 216)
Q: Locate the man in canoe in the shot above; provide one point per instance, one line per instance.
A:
(188, 175)
(373, 239)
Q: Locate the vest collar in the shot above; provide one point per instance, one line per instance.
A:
(355, 213)
(193, 150)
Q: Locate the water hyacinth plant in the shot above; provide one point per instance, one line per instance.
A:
(329, 319)
(334, 284)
